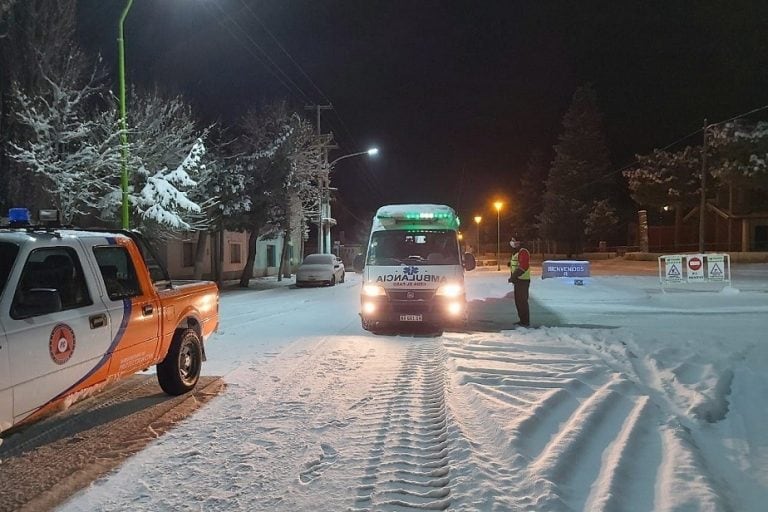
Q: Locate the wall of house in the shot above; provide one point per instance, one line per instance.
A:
(178, 255)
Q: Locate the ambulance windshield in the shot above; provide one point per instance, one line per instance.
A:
(413, 247)
(8, 254)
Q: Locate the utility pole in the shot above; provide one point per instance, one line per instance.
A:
(703, 198)
(321, 181)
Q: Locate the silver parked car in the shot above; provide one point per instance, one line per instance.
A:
(320, 269)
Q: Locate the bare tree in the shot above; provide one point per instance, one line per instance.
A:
(61, 141)
(34, 35)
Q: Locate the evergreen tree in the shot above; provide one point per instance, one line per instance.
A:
(531, 197)
(577, 178)
(740, 154)
(667, 179)
(166, 156)
(263, 162)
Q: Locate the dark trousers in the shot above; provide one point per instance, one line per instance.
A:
(521, 300)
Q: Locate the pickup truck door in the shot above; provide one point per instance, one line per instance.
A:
(132, 304)
(55, 346)
(6, 394)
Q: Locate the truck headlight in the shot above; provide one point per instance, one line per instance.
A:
(373, 290)
(450, 290)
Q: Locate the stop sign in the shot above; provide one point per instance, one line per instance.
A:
(694, 263)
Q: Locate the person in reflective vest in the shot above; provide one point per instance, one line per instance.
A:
(520, 268)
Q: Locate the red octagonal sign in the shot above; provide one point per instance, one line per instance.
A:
(694, 263)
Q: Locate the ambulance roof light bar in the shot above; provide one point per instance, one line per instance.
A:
(418, 214)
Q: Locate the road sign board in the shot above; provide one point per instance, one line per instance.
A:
(674, 266)
(695, 270)
(715, 267)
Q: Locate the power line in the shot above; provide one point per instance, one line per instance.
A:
(282, 48)
(678, 141)
(285, 80)
(368, 177)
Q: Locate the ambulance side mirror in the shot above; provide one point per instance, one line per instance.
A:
(469, 261)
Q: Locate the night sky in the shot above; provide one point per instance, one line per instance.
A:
(455, 94)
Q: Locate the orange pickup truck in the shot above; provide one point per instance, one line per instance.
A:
(80, 309)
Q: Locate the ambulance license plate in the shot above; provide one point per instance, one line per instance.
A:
(410, 318)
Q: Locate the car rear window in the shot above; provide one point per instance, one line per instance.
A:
(315, 259)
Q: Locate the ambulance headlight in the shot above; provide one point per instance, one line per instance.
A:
(455, 308)
(373, 290)
(450, 290)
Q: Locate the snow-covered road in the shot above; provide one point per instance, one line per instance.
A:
(623, 399)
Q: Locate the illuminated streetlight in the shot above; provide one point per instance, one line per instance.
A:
(369, 152)
(478, 219)
(498, 205)
(324, 206)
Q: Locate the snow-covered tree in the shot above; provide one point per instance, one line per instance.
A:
(264, 163)
(302, 184)
(577, 177)
(601, 222)
(35, 35)
(63, 141)
(740, 154)
(5, 6)
(166, 153)
(306, 171)
(665, 178)
(163, 200)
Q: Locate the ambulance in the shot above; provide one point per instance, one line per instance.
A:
(413, 269)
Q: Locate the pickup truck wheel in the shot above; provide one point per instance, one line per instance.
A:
(180, 370)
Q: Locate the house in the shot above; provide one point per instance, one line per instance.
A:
(179, 254)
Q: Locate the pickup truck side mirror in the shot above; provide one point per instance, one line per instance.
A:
(469, 261)
(359, 263)
(37, 301)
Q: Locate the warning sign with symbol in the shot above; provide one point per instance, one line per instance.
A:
(715, 267)
(695, 263)
(674, 266)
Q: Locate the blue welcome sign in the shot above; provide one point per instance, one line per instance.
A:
(564, 268)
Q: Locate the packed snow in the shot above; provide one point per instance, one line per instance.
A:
(621, 397)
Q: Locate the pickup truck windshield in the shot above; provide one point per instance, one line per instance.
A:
(8, 254)
(427, 247)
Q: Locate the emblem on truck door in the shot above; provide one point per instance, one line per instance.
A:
(62, 343)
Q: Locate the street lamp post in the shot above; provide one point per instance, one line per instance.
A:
(478, 219)
(325, 206)
(123, 125)
(498, 205)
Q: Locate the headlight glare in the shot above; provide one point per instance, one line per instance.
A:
(373, 290)
(450, 290)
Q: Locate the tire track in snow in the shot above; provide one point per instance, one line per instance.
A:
(618, 484)
(573, 435)
(407, 464)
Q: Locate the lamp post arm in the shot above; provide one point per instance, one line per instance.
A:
(330, 165)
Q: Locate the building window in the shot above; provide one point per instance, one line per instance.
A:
(188, 254)
(234, 253)
(271, 256)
